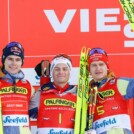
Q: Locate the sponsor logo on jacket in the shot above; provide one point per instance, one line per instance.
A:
(7, 90)
(108, 93)
(15, 120)
(59, 102)
(52, 131)
(105, 123)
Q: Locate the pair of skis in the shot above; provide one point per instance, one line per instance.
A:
(42, 69)
(92, 103)
(86, 98)
(82, 94)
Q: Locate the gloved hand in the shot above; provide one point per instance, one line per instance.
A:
(90, 131)
(42, 68)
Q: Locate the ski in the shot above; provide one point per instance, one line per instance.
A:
(45, 72)
(128, 8)
(92, 103)
(85, 94)
(1, 120)
(82, 94)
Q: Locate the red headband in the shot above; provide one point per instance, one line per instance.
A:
(98, 57)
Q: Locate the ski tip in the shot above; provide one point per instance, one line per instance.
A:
(88, 50)
(83, 49)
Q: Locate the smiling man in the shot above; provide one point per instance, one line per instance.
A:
(15, 91)
(56, 100)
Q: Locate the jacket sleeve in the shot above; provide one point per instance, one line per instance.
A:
(34, 105)
(126, 87)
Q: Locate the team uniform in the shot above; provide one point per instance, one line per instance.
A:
(111, 114)
(56, 109)
(15, 104)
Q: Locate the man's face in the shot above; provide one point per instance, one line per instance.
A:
(61, 74)
(98, 70)
(13, 64)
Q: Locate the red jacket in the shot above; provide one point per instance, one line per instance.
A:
(57, 109)
(15, 103)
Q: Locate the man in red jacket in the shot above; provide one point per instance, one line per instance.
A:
(111, 115)
(15, 91)
(56, 100)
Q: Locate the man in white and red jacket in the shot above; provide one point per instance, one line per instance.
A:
(111, 115)
(56, 100)
(15, 91)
